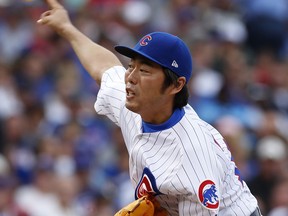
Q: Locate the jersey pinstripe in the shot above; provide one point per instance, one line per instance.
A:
(183, 159)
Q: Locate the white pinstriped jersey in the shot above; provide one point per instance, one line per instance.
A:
(187, 165)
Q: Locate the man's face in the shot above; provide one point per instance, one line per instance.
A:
(144, 94)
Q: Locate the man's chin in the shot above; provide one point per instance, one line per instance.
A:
(131, 107)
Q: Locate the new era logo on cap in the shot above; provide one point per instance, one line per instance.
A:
(174, 64)
(164, 49)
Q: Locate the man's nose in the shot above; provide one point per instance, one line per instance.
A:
(133, 76)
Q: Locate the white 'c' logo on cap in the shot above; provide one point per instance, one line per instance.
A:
(145, 40)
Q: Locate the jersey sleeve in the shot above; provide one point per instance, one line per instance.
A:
(111, 96)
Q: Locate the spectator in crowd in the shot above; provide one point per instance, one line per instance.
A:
(8, 185)
(272, 155)
(279, 198)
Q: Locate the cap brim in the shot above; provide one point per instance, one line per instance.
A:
(126, 51)
(131, 53)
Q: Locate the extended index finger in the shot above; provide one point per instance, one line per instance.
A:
(54, 4)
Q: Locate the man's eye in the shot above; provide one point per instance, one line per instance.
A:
(144, 71)
(130, 67)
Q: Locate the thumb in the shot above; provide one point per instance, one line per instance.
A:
(43, 19)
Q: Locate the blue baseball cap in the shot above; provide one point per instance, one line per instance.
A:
(165, 49)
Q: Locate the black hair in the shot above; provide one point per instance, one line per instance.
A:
(181, 98)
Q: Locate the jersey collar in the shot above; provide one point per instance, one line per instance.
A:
(174, 119)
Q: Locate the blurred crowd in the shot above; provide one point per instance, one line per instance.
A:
(58, 157)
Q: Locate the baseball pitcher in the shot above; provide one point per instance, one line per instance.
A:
(174, 156)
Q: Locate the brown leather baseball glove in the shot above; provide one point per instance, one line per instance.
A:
(144, 206)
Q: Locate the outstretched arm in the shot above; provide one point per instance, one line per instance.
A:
(95, 58)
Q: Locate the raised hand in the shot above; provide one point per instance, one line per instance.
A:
(95, 58)
(57, 17)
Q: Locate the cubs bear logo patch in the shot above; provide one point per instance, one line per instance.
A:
(207, 194)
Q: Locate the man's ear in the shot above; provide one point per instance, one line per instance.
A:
(181, 81)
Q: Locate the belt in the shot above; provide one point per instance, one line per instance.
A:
(256, 212)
